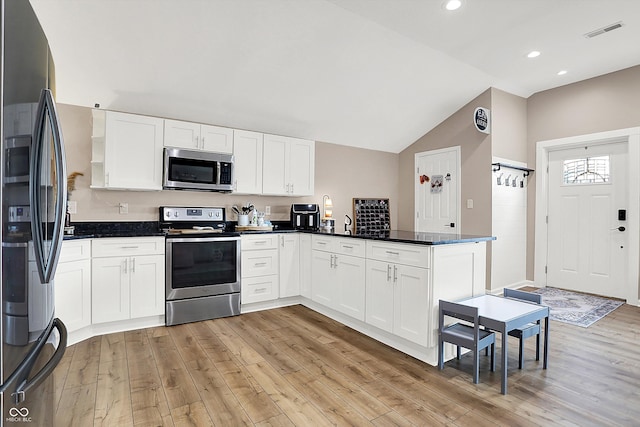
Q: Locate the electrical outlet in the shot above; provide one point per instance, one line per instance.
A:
(469, 203)
(72, 207)
(267, 210)
(124, 208)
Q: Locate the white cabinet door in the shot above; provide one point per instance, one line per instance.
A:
(302, 167)
(275, 177)
(305, 265)
(181, 134)
(411, 314)
(288, 166)
(133, 152)
(216, 139)
(323, 282)
(289, 265)
(109, 289)
(73, 293)
(247, 150)
(379, 295)
(146, 287)
(350, 289)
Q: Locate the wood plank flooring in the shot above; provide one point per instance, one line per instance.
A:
(294, 367)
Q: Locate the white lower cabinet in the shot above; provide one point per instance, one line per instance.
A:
(305, 265)
(397, 295)
(128, 278)
(289, 264)
(73, 285)
(338, 279)
(259, 261)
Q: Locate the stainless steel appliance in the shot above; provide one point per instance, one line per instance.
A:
(305, 216)
(202, 265)
(33, 194)
(197, 170)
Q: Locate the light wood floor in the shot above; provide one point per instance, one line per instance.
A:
(292, 366)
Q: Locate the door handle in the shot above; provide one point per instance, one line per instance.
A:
(451, 224)
(621, 228)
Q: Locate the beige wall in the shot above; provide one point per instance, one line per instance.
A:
(509, 126)
(475, 175)
(342, 172)
(600, 104)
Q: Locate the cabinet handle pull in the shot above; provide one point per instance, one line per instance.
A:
(259, 242)
(291, 188)
(196, 141)
(347, 246)
(129, 247)
(321, 243)
(260, 290)
(392, 253)
(388, 272)
(335, 261)
(282, 237)
(395, 273)
(133, 265)
(259, 264)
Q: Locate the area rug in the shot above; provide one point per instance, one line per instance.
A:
(576, 308)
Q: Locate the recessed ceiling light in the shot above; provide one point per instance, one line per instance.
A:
(533, 54)
(453, 4)
(562, 72)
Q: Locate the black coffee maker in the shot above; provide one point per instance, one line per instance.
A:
(305, 216)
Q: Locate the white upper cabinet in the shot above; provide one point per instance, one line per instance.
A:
(126, 151)
(196, 136)
(288, 166)
(247, 151)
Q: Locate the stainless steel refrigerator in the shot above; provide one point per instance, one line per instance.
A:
(33, 193)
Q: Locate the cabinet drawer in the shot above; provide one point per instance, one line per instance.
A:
(75, 250)
(259, 263)
(262, 241)
(350, 246)
(416, 255)
(323, 243)
(127, 246)
(257, 289)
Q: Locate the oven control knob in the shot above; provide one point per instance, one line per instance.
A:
(168, 214)
(175, 214)
(210, 214)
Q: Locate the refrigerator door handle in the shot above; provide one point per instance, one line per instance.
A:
(47, 263)
(21, 374)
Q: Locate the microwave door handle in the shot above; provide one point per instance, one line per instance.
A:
(47, 110)
(218, 172)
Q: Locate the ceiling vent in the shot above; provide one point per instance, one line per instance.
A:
(599, 31)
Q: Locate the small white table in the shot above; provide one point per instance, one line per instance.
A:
(504, 315)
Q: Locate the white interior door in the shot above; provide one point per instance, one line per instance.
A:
(587, 239)
(437, 189)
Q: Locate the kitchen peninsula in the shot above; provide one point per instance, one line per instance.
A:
(385, 285)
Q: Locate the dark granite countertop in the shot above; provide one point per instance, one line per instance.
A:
(416, 237)
(88, 230)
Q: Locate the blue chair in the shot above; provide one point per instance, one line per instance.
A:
(462, 335)
(528, 330)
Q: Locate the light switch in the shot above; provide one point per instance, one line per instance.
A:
(469, 203)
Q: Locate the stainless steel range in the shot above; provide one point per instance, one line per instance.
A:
(202, 265)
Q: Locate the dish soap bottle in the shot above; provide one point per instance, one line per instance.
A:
(254, 218)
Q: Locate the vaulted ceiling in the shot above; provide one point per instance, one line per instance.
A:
(376, 74)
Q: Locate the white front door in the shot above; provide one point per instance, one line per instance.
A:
(587, 237)
(436, 190)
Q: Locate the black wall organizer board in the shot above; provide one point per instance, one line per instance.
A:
(371, 215)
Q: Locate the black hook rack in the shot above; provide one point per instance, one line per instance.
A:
(499, 165)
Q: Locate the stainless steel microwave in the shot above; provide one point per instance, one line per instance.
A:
(197, 170)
